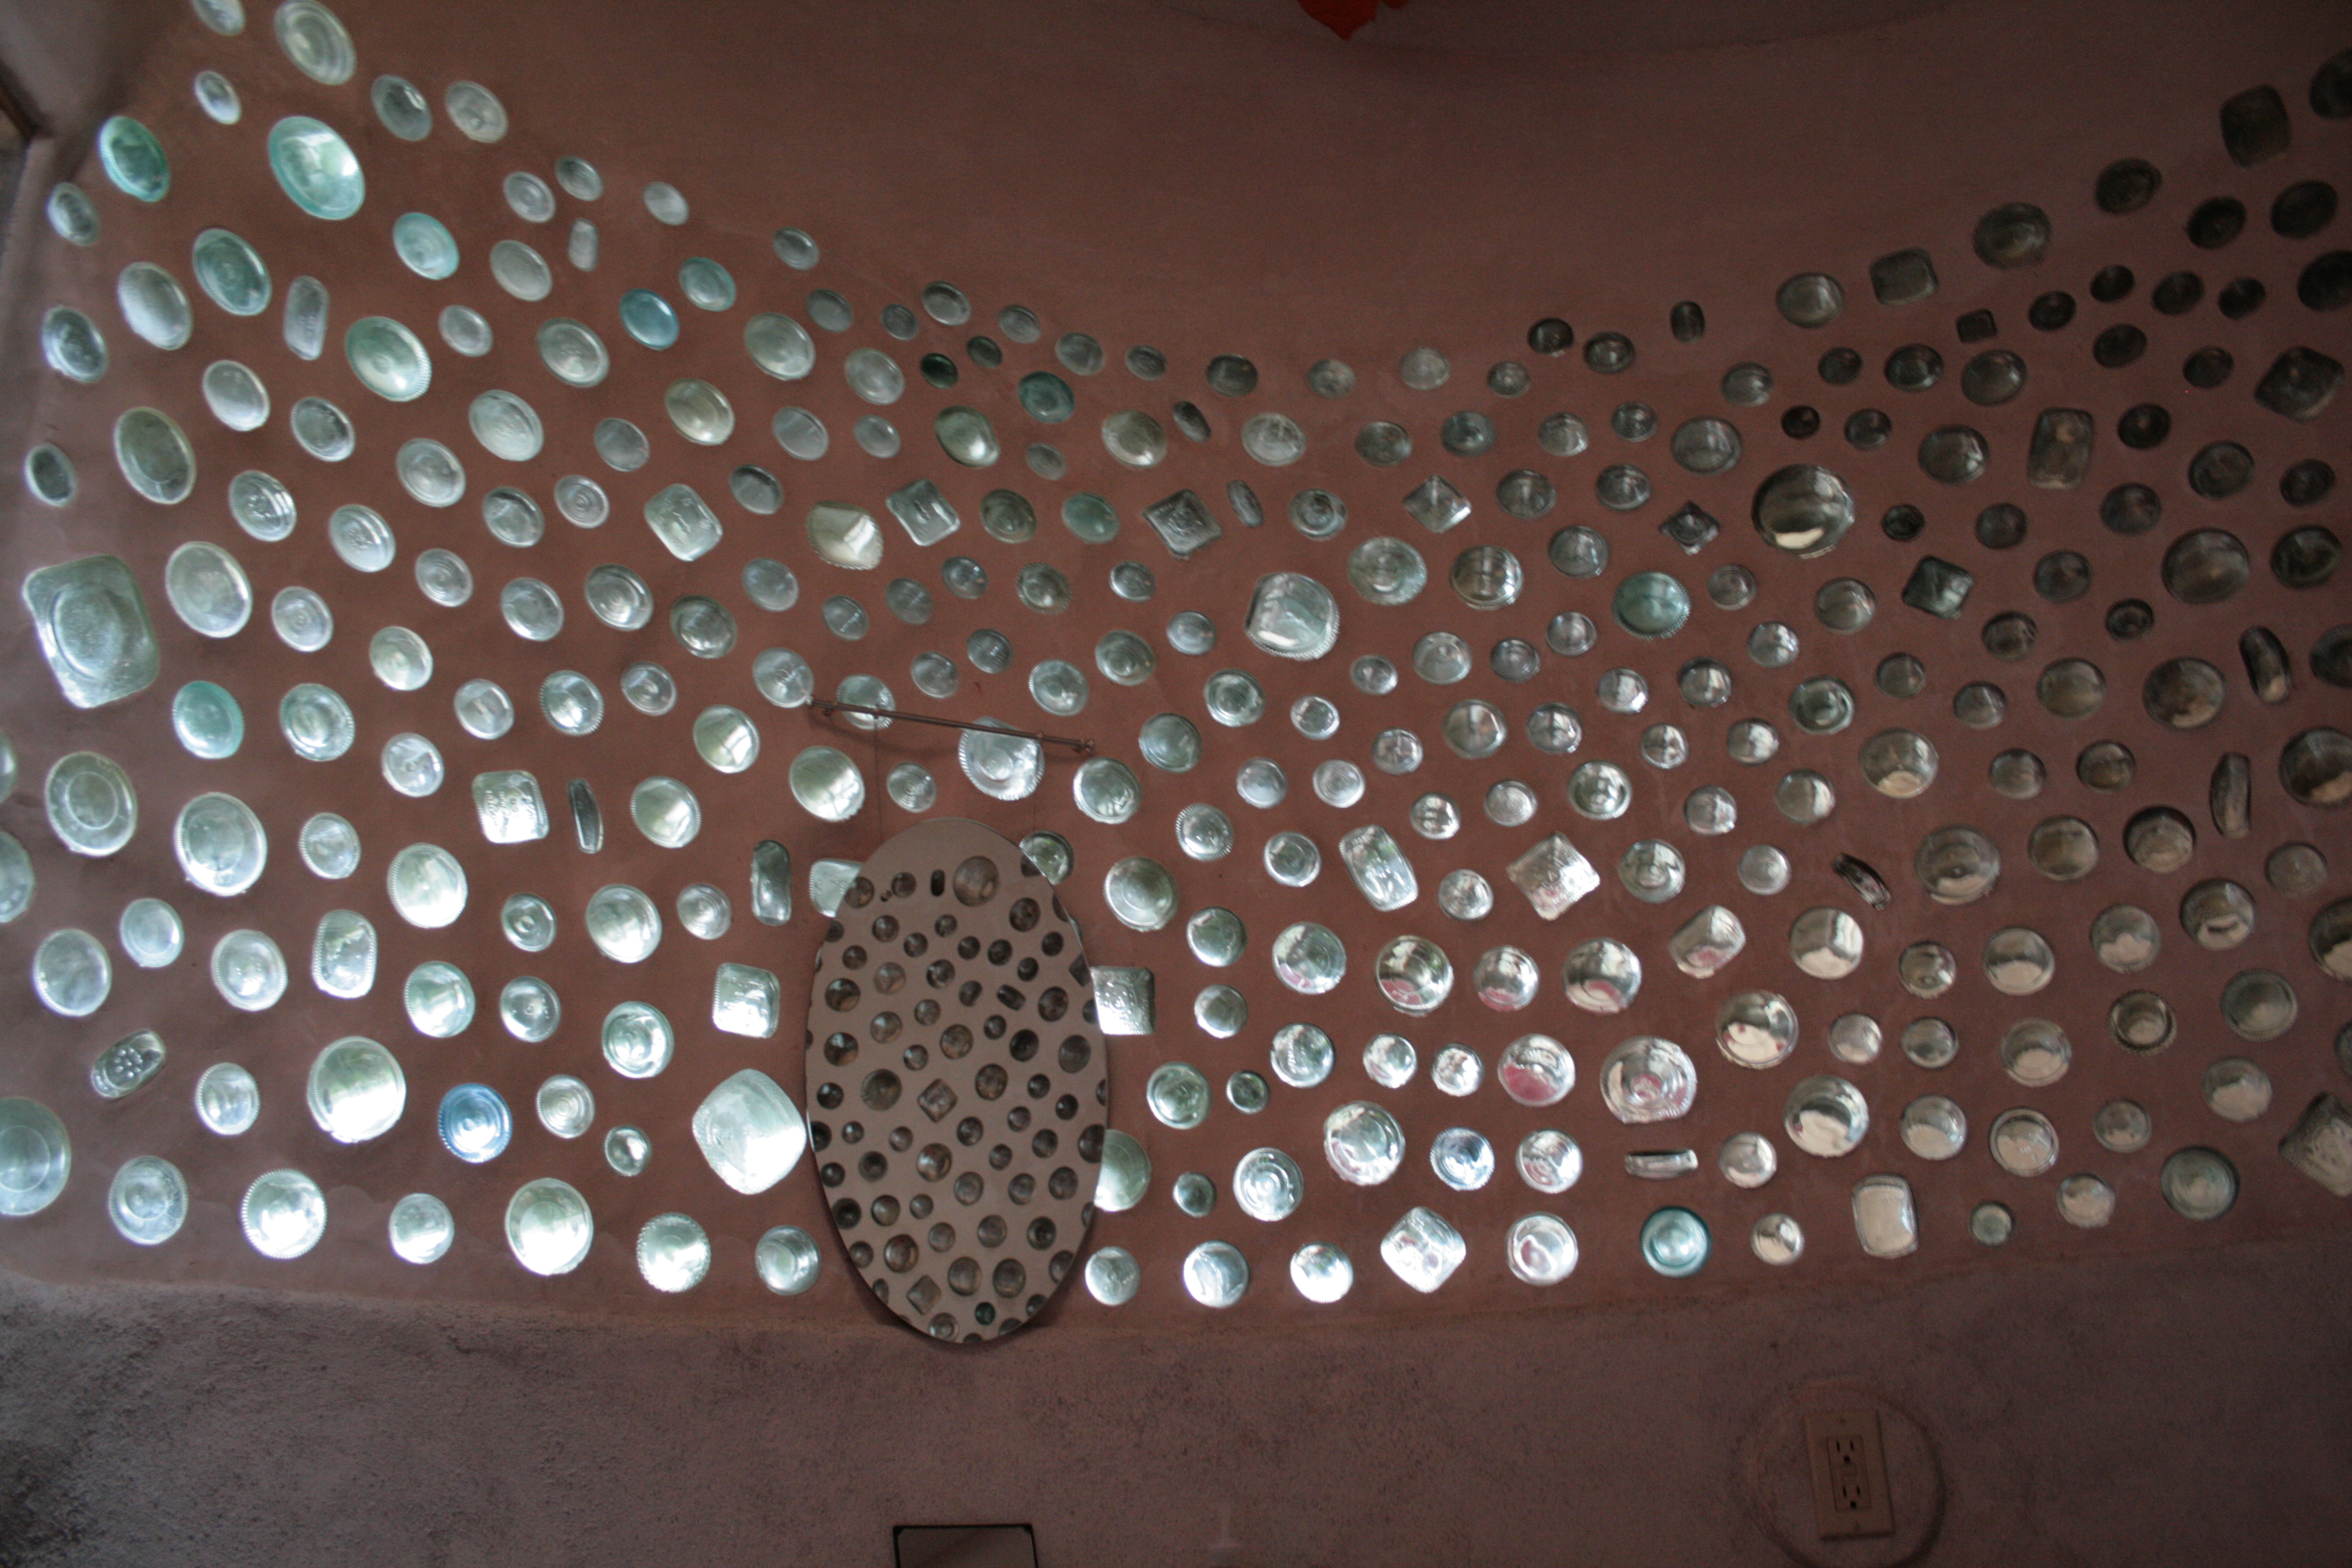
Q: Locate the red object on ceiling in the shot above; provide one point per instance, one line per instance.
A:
(1344, 16)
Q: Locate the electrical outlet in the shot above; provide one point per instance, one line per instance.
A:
(1848, 1459)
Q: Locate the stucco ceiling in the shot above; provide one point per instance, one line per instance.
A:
(1520, 27)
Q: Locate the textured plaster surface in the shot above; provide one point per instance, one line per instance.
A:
(2144, 1412)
